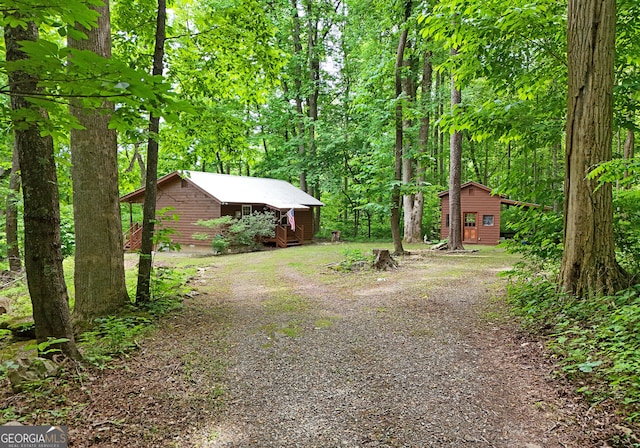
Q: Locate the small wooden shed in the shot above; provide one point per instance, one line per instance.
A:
(196, 195)
(480, 214)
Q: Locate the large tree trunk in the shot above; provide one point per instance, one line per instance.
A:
(589, 265)
(455, 167)
(11, 217)
(99, 257)
(395, 193)
(414, 213)
(143, 291)
(408, 161)
(42, 248)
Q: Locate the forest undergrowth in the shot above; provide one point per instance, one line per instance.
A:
(594, 340)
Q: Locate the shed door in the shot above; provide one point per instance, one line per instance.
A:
(470, 228)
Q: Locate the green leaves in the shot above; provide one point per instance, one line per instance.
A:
(52, 14)
(65, 74)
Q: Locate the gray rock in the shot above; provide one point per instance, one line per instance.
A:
(22, 328)
(30, 371)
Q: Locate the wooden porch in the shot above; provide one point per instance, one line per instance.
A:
(286, 237)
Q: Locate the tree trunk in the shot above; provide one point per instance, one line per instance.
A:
(395, 193)
(313, 60)
(409, 162)
(474, 160)
(555, 176)
(143, 290)
(589, 265)
(297, 49)
(413, 232)
(628, 149)
(11, 218)
(440, 134)
(42, 248)
(455, 165)
(137, 158)
(100, 287)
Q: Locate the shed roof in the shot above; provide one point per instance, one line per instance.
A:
(465, 185)
(229, 189)
(503, 199)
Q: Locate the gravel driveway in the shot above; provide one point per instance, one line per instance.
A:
(405, 358)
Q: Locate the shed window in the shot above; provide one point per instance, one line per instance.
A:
(487, 220)
(246, 210)
(447, 221)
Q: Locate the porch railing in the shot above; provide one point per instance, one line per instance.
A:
(286, 237)
(133, 238)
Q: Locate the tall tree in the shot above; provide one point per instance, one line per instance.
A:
(99, 257)
(455, 173)
(414, 203)
(297, 79)
(399, 123)
(589, 265)
(143, 293)
(43, 256)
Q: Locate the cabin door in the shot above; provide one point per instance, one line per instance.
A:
(470, 228)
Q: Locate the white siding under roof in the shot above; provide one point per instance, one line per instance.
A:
(230, 189)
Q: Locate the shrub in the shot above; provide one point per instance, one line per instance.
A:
(113, 336)
(538, 236)
(244, 233)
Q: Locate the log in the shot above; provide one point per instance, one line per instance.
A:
(383, 260)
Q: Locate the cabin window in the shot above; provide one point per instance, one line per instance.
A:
(487, 220)
(246, 210)
(447, 221)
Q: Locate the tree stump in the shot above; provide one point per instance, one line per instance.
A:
(383, 260)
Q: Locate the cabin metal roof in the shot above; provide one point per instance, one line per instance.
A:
(229, 189)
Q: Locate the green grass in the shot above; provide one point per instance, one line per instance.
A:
(287, 304)
(291, 329)
(320, 324)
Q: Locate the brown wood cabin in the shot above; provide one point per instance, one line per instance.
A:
(480, 213)
(196, 195)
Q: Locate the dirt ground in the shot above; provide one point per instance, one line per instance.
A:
(277, 349)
